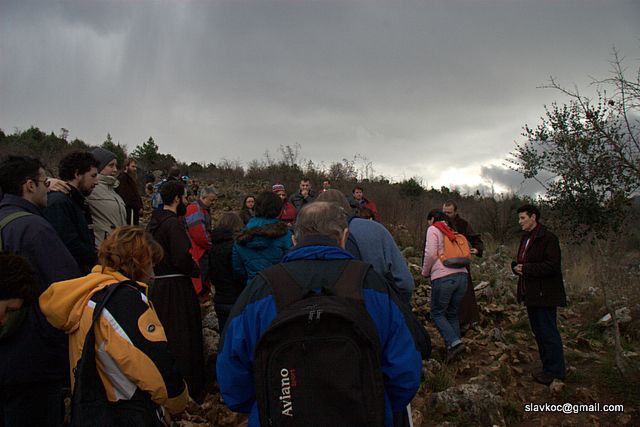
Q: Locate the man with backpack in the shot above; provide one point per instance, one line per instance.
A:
(34, 367)
(319, 339)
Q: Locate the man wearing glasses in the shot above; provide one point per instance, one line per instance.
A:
(34, 355)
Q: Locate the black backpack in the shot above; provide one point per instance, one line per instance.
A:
(318, 363)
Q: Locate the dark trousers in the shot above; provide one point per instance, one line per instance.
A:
(545, 329)
(38, 404)
(222, 311)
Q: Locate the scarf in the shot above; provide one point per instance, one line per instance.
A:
(528, 238)
(446, 230)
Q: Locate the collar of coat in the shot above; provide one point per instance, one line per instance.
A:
(273, 230)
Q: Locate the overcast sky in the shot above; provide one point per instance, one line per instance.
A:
(434, 89)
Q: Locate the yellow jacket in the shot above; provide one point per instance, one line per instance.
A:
(131, 346)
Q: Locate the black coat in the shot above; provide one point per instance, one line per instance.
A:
(541, 284)
(227, 283)
(70, 216)
(36, 351)
(463, 227)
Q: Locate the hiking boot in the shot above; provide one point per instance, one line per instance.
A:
(543, 377)
(453, 352)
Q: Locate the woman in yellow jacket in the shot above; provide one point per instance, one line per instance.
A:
(133, 360)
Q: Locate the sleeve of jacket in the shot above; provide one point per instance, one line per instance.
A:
(474, 240)
(401, 360)
(550, 265)
(59, 216)
(39, 242)
(430, 251)
(135, 340)
(236, 261)
(251, 316)
(196, 228)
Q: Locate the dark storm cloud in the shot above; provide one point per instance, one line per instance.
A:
(409, 85)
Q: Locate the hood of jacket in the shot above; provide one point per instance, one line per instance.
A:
(158, 216)
(260, 231)
(108, 180)
(64, 302)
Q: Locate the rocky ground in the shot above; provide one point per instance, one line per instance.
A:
(491, 383)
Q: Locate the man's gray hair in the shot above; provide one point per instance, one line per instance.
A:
(204, 192)
(327, 219)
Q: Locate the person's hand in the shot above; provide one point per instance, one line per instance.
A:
(305, 193)
(58, 185)
(518, 269)
(473, 251)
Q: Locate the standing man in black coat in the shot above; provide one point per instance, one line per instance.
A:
(541, 288)
(128, 190)
(69, 212)
(172, 292)
(469, 312)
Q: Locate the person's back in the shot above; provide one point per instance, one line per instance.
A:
(265, 239)
(132, 359)
(316, 262)
(227, 283)
(371, 242)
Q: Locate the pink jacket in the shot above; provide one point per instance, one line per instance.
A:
(434, 246)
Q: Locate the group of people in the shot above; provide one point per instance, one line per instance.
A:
(76, 261)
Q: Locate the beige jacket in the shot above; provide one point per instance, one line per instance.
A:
(108, 210)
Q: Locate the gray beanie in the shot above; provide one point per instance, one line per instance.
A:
(103, 157)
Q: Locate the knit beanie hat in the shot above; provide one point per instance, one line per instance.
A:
(277, 187)
(103, 157)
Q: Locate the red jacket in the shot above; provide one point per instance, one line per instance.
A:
(198, 221)
(288, 213)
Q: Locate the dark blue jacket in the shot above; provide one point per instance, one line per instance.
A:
(70, 216)
(36, 351)
(312, 267)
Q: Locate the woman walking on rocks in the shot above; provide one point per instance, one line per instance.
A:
(448, 284)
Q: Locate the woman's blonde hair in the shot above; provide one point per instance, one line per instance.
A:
(130, 250)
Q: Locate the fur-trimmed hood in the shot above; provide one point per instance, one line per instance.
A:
(259, 231)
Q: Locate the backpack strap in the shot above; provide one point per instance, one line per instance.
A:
(9, 218)
(349, 284)
(286, 289)
(85, 372)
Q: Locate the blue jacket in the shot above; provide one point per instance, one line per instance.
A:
(255, 310)
(70, 216)
(376, 246)
(262, 243)
(36, 351)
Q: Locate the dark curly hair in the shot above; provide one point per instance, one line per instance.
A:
(17, 279)
(268, 205)
(77, 162)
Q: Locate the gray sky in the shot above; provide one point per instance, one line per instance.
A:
(434, 89)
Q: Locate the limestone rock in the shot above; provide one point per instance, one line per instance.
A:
(480, 401)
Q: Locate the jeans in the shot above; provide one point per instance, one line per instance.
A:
(38, 404)
(545, 329)
(446, 294)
